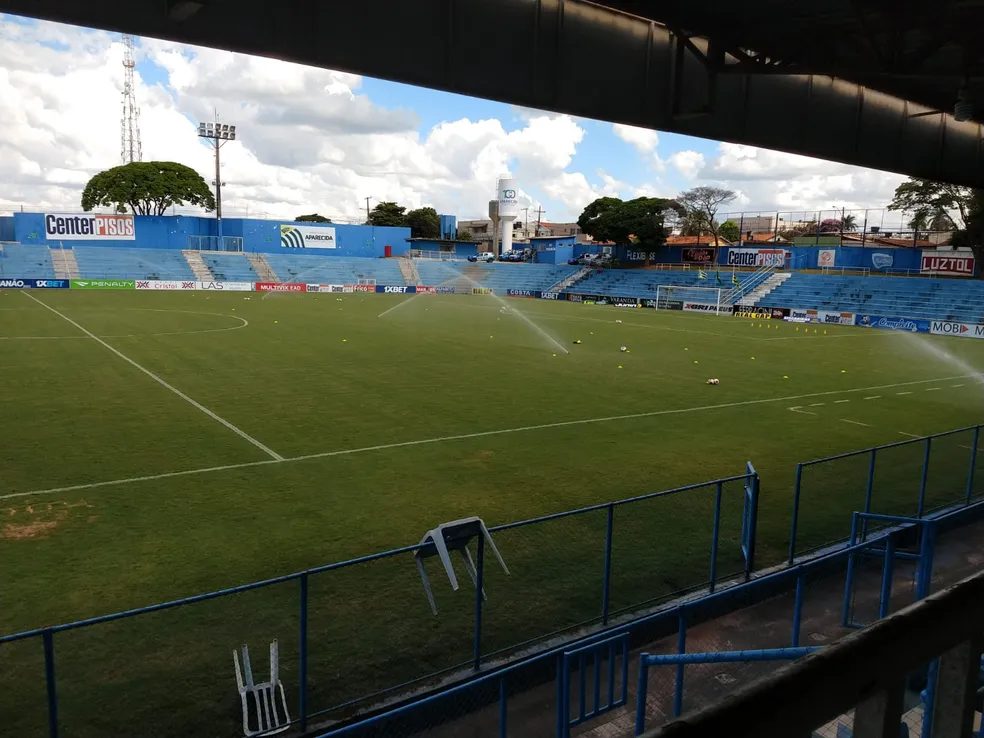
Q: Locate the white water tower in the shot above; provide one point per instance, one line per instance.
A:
(508, 209)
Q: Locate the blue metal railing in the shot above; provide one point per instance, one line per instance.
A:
(304, 709)
(868, 484)
(681, 616)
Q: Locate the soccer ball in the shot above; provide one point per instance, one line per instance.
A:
(623, 348)
(713, 381)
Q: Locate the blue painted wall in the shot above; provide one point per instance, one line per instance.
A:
(7, 228)
(172, 232)
(461, 249)
(449, 226)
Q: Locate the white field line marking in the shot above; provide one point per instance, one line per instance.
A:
(910, 435)
(194, 403)
(903, 393)
(855, 422)
(817, 404)
(799, 409)
(872, 397)
(479, 434)
(839, 401)
(956, 385)
(933, 389)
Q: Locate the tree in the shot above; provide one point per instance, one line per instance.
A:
(424, 223)
(147, 188)
(463, 234)
(933, 204)
(730, 231)
(388, 214)
(312, 218)
(641, 221)
(830, 225)
(600, 219)
(849, 222)
(972, 234)
(701, 205)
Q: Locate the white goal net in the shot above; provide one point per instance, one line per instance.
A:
(692, 299)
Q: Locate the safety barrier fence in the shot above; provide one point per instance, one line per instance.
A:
(900, 539)
(568, 571)
(590, 674)
(863, 679)
(911, 477)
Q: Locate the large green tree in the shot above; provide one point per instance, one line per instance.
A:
(643, 221)
(934, 205)
(147, 188)
(701, 205)
(600, 219)
(424, 223)
(972, 235)
(388, 214)
(312, 218)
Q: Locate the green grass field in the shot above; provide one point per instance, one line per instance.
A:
(346, 433)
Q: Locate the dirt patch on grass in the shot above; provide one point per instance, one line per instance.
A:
(37, 529)
(40, 519)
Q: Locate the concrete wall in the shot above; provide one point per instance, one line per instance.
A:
(174, 232)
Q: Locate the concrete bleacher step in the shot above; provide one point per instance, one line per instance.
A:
(763, 290)
(198, 266)
(64, 263)
(262, 267)
(409, 271)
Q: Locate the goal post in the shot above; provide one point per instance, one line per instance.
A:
(692, 299)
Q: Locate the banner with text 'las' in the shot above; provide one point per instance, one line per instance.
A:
(226, 286)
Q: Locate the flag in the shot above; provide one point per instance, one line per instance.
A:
(701, 274)
(734, 279)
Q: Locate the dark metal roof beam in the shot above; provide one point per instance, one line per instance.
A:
(570, 56)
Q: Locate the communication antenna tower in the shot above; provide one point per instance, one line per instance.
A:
(130, 148)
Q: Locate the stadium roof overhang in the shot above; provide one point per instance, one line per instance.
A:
(869, 82)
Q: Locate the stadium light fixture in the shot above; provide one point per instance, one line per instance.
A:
(218, 134)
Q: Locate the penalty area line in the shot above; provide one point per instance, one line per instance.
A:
(466, 436)
(194, 403)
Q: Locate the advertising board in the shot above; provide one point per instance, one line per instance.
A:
(307, 237)
(89, 227)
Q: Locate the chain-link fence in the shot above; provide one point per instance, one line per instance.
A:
(361, 635)
(910, 478)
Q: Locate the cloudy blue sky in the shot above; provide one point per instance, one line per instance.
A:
(319, 140)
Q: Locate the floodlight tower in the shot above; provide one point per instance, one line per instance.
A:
(130, 149)
(218, 135)
(508, 209)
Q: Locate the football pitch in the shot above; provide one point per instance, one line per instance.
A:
(157, 445)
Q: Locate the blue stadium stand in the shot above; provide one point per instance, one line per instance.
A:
(335, 270)
(30, 262)
(500, 277)
(642, 283)
(909, 297)
(128, 263)
(230, 267)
